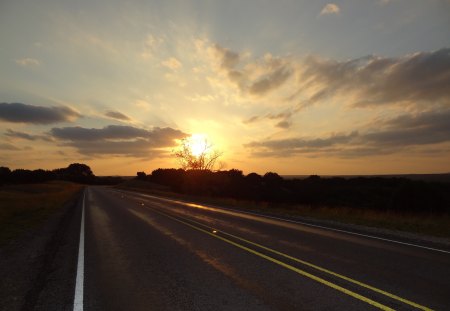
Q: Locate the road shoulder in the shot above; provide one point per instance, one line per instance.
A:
(37, 269)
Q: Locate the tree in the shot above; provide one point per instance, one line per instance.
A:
(204, 158)
(5, 174)
(141, 175)
(76, 172)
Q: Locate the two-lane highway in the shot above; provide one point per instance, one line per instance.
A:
(140, 252)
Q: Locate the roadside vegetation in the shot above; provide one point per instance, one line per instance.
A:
(29, 197)
(75, 172)
(25, 206)
(391, 202)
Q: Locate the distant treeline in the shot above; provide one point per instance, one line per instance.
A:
(75, 172)
(394, 194)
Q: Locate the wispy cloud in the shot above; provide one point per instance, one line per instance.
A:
(228, 59)
(22, 135)
(419, 80)
(386, 137)
(330, 8)
(255, 78)
(23, 113)
(283, 119)
(28, 62)
(288, 147)
(118, 140)
(117, 115)
(8, 147)
(416, 78)
(151, 44)
(270, 81)
(172, 63)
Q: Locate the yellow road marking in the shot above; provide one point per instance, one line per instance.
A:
(285, 265)
(380, 291)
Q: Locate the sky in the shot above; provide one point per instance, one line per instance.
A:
(290, 86)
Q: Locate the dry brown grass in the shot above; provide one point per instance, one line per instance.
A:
(422, 223)
(26, 206)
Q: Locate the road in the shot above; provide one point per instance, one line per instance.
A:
(146, 253)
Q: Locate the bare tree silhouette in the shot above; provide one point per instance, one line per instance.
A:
(204, 159)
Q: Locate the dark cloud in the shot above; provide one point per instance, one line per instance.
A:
(118, 140)
(371, 80)
(258, 79)
(139, 148)
(229, 59)
(117, 115)
(284, 124)
(302, 143)
(422, 129)
(252, 119)
(283, 119)
(421, 80)
(415, 79)
(8, 147)
(22, 135)
(23, 113)
(78, 133)
(402, 133)
(270, 81)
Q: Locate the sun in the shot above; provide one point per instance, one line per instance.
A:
(198, 143)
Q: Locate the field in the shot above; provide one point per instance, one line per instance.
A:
(25, 206)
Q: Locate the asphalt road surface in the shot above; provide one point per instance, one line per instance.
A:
(139, 252)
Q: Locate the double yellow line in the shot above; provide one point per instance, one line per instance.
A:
(214, 233)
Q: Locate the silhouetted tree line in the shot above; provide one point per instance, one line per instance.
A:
(381, 193)
(75, 172)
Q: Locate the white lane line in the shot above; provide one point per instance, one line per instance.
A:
(349, 232)
(300, 222)
(79, 283)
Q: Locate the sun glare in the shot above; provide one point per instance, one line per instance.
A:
(198, 144)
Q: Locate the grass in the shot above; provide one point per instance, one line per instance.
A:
(421, 223)
(26, 206)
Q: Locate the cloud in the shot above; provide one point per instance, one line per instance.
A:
(368, 81)
(117, 115)
(271, 81)
(282, 118)
(417, 81)
(8, 147)
(398, 134)
(23, 113)
(330, 8)
(228, 59)
(16, 134)
(423, 129)
(255, 78)
(299, 144)
(151, 45)
(28, 62)
(118, 140)
(414, 79)
(284, 124)
(172, 63)
(78, 133)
